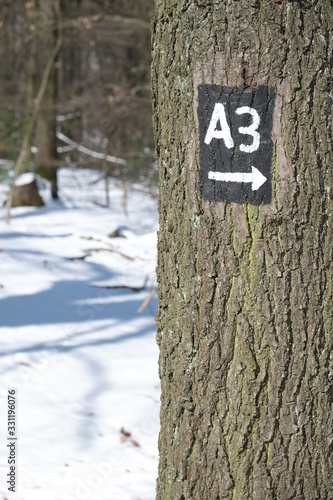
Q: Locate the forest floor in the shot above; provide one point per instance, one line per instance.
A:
(82, 360)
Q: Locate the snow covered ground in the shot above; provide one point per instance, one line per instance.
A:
(81, 358)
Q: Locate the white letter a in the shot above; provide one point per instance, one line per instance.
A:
(224, 133)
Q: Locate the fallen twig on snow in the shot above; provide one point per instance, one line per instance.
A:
(127, 287)
(90, 252)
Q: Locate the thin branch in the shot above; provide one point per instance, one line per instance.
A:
(120, 21)
(127, 287)
(86, 22)
(90, 152)
(147, 300)
(89, 252)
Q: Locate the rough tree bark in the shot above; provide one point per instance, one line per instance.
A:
(245, 316)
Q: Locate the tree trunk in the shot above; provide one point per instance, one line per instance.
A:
(45, 136)
(245, 316)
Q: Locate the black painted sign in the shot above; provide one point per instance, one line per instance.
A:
(235, 126)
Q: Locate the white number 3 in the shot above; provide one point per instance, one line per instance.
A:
(250, 130)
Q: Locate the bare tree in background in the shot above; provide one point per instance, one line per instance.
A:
(48, 24)
(98, 87)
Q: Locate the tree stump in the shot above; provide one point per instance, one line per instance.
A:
(26, 192)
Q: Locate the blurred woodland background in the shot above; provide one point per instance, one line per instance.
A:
(75, 88)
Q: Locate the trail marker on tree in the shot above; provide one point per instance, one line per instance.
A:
(236, 148)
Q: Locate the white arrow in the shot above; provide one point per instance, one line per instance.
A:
(255, 177)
